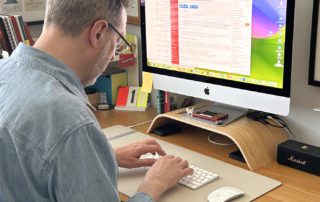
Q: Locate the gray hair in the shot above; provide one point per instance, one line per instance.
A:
(73, 16)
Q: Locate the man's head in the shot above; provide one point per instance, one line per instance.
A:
(73, 16)
(85, 22)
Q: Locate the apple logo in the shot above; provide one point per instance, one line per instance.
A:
(207, 91)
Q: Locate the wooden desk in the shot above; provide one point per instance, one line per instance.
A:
(296, 185)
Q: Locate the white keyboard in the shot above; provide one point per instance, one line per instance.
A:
(199, 178)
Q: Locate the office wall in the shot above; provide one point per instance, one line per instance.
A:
(303, 121)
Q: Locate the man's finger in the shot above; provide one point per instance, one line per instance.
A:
(152, 149)
(152, 142)
(187, 171)
(184, 164)
(147, 162)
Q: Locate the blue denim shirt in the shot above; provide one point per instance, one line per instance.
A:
(51, 145)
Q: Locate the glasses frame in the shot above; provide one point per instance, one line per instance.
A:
(121, 36)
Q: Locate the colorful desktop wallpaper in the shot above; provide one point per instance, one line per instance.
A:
(268, 39)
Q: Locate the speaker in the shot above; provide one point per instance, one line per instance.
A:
(300, 156)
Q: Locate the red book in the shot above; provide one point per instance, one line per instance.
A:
(16, 28)
(122, 96)
(166, 102)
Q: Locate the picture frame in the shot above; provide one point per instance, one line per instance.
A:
(314, 63)
(133, 12)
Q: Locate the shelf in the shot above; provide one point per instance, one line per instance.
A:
(133, 70)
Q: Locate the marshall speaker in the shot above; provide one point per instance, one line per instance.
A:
(300, 156)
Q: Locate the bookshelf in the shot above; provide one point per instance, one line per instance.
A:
(119, 73)
(13, 30)
(31, 11)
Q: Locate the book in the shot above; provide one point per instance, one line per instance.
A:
(160, 101)
(122, 96)
(12, 31)
(132, 96)
(8, 32)
(4, 37)
(174, 101)
(29, 37)
(16, 28)
(166, 102)
(132, 99)
(21, 31)
(20, 20)
(142, 100)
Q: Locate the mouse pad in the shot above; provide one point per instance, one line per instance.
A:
(254, 185)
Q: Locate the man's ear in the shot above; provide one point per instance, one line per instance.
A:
(97, 31)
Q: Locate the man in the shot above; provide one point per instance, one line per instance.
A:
(51, 145)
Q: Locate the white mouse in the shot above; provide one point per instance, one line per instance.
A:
(223, 194)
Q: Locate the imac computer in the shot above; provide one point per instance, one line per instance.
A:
(235, 52)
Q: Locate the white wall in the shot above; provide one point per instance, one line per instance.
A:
(302, 120)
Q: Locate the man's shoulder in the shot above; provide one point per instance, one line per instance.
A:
(65, 104)
(50, 120)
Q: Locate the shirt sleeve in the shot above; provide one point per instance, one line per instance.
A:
(83, 168)
(141, 197)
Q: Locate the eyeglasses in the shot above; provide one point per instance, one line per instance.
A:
(121, 36)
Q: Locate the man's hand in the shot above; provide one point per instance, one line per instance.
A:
(129, 156)
(164, 174)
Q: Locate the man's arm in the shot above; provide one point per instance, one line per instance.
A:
(83, 168)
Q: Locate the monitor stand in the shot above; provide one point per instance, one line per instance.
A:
(257, 142)
(233, 113)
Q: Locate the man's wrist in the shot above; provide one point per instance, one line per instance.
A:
(153, 188)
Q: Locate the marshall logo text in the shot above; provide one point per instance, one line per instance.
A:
(299, 161)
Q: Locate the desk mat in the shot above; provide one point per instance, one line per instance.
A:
(117, 131)
(254, 185)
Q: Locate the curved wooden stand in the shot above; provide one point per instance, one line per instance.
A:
(256, 141)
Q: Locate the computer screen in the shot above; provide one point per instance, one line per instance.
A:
(236, 52)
